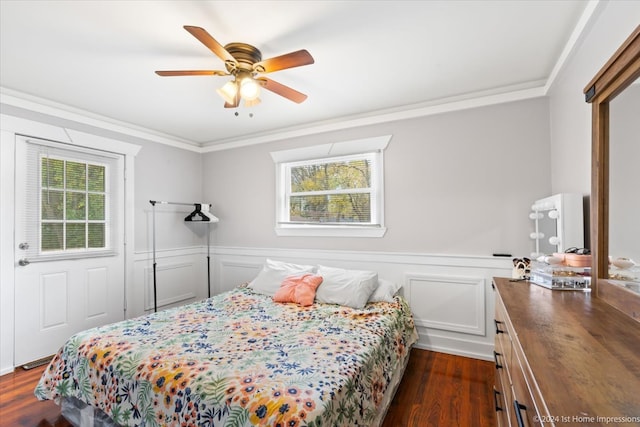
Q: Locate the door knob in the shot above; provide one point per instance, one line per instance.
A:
(23, 262)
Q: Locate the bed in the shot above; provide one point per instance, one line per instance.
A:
(236, 359)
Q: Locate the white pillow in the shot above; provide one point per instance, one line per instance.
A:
(385, 291)
(273, 273)
(351, 288)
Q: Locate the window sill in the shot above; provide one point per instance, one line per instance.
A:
(328, 231)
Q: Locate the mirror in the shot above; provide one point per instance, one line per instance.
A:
(612, 80)
(558, 224)
(624, 188)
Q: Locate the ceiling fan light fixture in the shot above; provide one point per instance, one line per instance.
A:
(228, 92)
(249, 89)
(244, 64)
(252, 102)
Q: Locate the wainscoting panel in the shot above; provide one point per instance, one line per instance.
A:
(447, 303)
(181, 278)
(176, 286)
(233, 273)
(450, 295)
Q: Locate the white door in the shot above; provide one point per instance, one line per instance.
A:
(69, 227)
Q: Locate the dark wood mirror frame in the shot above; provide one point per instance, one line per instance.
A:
(617, 74)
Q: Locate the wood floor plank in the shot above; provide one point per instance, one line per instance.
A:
(437, 390)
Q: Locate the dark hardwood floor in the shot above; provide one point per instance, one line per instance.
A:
(437, 390)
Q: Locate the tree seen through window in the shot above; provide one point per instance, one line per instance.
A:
(331, 192)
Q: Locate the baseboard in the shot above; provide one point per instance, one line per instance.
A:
(480, 354)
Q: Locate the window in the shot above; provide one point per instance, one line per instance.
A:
(71, 200)
(331, 190)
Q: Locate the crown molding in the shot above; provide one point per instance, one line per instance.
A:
(593, 7)
(30, 103)
(407, 112)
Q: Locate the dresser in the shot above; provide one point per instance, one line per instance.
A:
(563, 358)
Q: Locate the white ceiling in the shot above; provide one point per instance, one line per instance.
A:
(371, 57)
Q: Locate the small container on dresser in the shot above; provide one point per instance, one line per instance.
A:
(561, 277)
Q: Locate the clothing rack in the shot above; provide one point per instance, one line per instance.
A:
(199, 214)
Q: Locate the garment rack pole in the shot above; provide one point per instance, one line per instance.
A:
(153, 222)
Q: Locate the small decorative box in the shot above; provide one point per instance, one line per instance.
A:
(561, 277)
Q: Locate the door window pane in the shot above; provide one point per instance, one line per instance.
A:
(52, 173)
(96, 236)
(76, 178)
(51, 238)
(96, 178)
(52, 205)
(96, 206)
(76, 206)
(76, 236)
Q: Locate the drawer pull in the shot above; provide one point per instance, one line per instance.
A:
(495, 358)
(496, 403)
(518, 407)
(497, 322)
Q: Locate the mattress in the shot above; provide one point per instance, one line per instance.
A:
(238, 359)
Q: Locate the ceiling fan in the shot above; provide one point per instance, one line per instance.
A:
(244, 62)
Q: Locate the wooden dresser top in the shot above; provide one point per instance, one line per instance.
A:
(583, 353)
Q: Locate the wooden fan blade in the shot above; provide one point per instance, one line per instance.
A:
(213, 45)
(289, 60)
(192, 73)
(282, 90)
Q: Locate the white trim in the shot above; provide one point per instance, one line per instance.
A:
(333, 149)
(378, 117)
(577, 33)
(7, 245)
(328, 231)
(39, 105)
(44, 106)
(29, 128)
(503, 264)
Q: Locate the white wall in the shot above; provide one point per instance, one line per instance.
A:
(570, 114)
(455, 183)
(167, 174)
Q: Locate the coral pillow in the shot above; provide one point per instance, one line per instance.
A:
(298, 289)
(274, 272)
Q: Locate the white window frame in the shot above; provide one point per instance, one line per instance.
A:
(370, 148)
(115, 165)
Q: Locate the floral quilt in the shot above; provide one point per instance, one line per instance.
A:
(237, 359)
